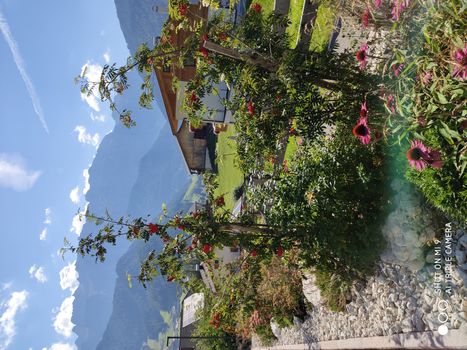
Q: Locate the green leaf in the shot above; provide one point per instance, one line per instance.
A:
(458, 41)
(129, 278)
(442, 99)
(446, 135)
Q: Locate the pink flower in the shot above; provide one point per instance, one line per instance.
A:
(415, 155)
(426, 77)
(365, 18)
(362, 55)
(398, 7)
(420, 156)
(397, 69)
(391, 104)
(361, 130)
(363, 111)
(299, 141)
(377, 3)
(460, 65)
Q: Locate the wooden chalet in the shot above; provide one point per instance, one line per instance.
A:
(197, 146)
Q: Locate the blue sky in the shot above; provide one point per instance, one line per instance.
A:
(49, 134)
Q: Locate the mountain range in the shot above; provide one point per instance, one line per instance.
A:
(134, 171)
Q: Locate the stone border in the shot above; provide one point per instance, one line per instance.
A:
(455, 339)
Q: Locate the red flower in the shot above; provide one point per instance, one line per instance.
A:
(420, 156)
(365, 18)
(378, 136)
(279, 252)
(251, 108)
(204, 37)
(206, 248)
(422, 122)
(256, 7)
(215, 320)
(170, 278)
(193, 97)
(153, 228)
(460, 66)
(181, 227)
(182, 9)
(362, 55)
(220, 201)
(361, 130)
(284, 166)
(253, 253)
(165, 238)
(222, 36)
(204, 52)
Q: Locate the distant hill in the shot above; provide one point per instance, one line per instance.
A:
(139, 23)
(133, 172)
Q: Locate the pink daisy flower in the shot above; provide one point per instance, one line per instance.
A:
(460, 65)
(361, 130)
(420, 156)
(362, 55)
(377, 3)
(416, 153)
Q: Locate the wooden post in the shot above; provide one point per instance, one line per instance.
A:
(250, 57)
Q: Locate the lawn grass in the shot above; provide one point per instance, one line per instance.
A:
(323, 27)
(295, 16)
(229, 175)
(291, 149)
(267, 6)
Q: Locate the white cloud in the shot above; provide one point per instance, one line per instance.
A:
(98, 117)
(5, 29)
(77, 223)
(62, 321)
(87, 138)
(61, 346)
(14, 174)
(15, 303)
(93, 75)
(74, 195)
(106, 56)
(87, 186)
(69, 277)
(6, 285)
(48, 216)
(43, 234)
(38, 273)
